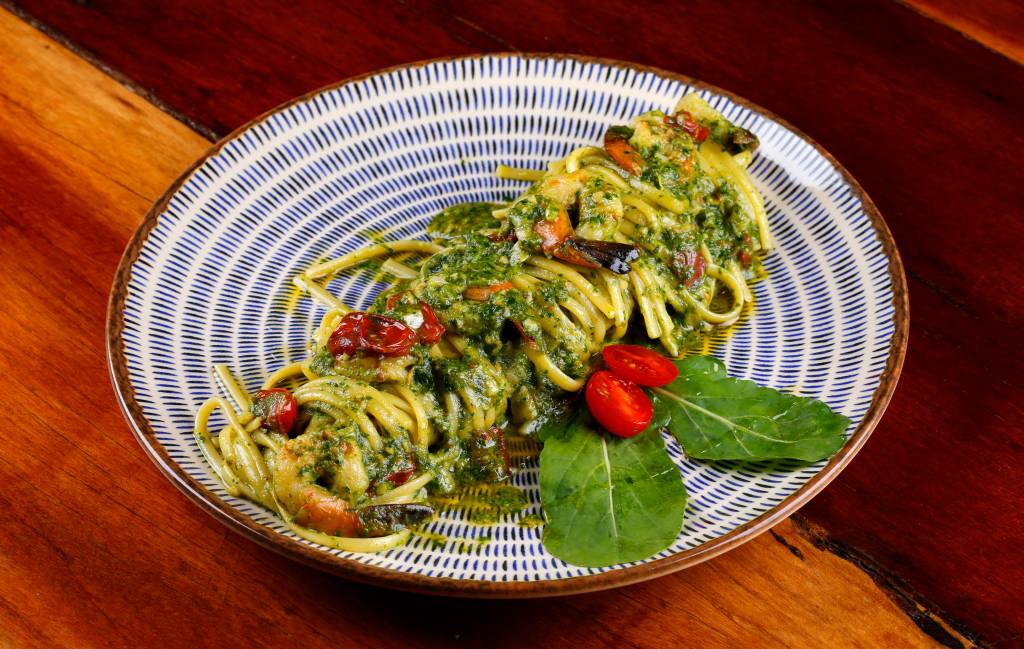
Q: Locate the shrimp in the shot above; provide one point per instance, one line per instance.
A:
(306, 461)
(542, 215)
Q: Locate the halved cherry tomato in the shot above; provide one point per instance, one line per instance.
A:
(431, 330)
(360, 331)
(483, 293)
(618, 404)
(640, 365)
(277, 407)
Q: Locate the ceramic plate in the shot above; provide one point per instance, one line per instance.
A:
(206, 279)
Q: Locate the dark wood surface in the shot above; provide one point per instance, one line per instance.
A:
(925, 119)
(996, 24)
(97, 549)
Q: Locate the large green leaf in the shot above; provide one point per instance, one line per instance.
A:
(608, 500)
(716, 417)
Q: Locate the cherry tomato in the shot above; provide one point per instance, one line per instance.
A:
(388, 336)
(360, 331)
(618, 404)
(348, 335)
(277, 407)
(431, 330)
(640, 365)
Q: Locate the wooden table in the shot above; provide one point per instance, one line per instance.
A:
(919, 542)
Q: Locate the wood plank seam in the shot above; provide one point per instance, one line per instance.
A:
(937, 624)
(949, 628)
(214, 136)
(920, 8)
(117, 76)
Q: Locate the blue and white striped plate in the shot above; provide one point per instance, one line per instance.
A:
(207, 280)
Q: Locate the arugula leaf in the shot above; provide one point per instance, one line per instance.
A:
(716, 417)
(608, 500)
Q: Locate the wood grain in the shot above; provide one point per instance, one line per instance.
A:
(932, 496)
(98, 549)
(928, 124)
(998, 24)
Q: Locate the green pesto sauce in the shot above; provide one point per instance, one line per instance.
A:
(493, 370)
(486, 504)
(462, 546)
(472, 260)
(600, 210)
(531, 520)
(486, 318)
(530, 209)
(462, 219)
(439, 541)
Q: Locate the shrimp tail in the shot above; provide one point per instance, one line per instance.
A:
(616, 143)
(614, 256)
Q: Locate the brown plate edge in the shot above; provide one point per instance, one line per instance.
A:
(349, 568)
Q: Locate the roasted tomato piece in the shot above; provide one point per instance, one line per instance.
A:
(394, 299)
(431, 330)
(685, 121)
(488, 455)
(401, 474)
(360, 331)
(277, 408)
(688, 265)
(348, 335)
(388, 336)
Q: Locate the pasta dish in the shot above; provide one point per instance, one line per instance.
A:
(489, 328)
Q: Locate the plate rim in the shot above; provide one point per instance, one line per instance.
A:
(349, 568)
